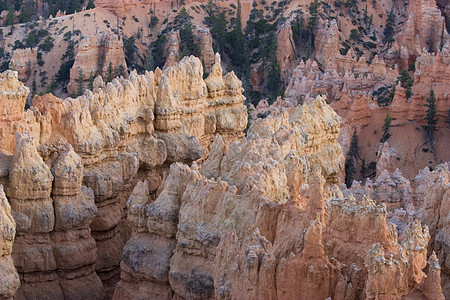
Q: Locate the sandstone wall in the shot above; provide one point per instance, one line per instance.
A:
(73, 170)
(24, 62)
(204, 40)
(10, 279)
(263, 218)
(95, 53)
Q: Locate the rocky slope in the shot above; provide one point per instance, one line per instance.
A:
(70, 172)
(273, 225)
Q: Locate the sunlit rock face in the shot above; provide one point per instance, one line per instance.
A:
(73, 163)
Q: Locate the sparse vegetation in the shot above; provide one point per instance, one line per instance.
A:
(385, 95)
(47, 44)
(386, 127)
(80, 86)
(406, 82)
(430, 126)
(350, 165)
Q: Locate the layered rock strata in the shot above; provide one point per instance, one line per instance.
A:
(24, 62)
(72, 172)
(204, 41)
(95, 56)
(342, 74)
(10, 281)
(13, 96)
(266, 226)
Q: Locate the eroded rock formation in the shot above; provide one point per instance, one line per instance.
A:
(73, 170)
(13, 96)
(204, 40)
(24, 62)
(265, 203)
(9, 282)
(95, 56)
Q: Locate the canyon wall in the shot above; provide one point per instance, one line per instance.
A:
(73, 163)
(272, 224)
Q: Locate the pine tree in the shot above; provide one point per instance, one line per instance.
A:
(238, 41)
(149, 61)
(27, 11)
(51, 86)
(386, 127)
(91, 81)
(121, 71)
(33, 87)
(90, 5)
(184, 52)
(406, 82)
(109, 77)
(350, 166)
(76, 6)
(441, 45)
(11, 14)
(431, 118)
(80, 88)
(314, 12)
(363, 168)
(389, 29)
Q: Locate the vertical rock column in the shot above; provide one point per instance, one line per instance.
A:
(29, 188)
(146, 258)
(73, 246)
(9, 280)
(108, 180)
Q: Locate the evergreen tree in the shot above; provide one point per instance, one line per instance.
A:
(386, 127)
(11, 14)
(441, 45)
(389, 28)
(90, 5)
(91, 81)
(76, 6)
(189, 43)
(80, 88)
(406, 82)
(363, 168)
(153, 21)
(184, 52)
(314, 12)
(217, 21)
(33, 87)
(158, 47)
(237, 41)
(51, 86)
(149, 61)
(431, 118)
(27, 11)
(63, 74)
(121, 71)
(350, 166)
(31, 40)
(109, 77)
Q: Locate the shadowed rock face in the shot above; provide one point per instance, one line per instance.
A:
(74, 163)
